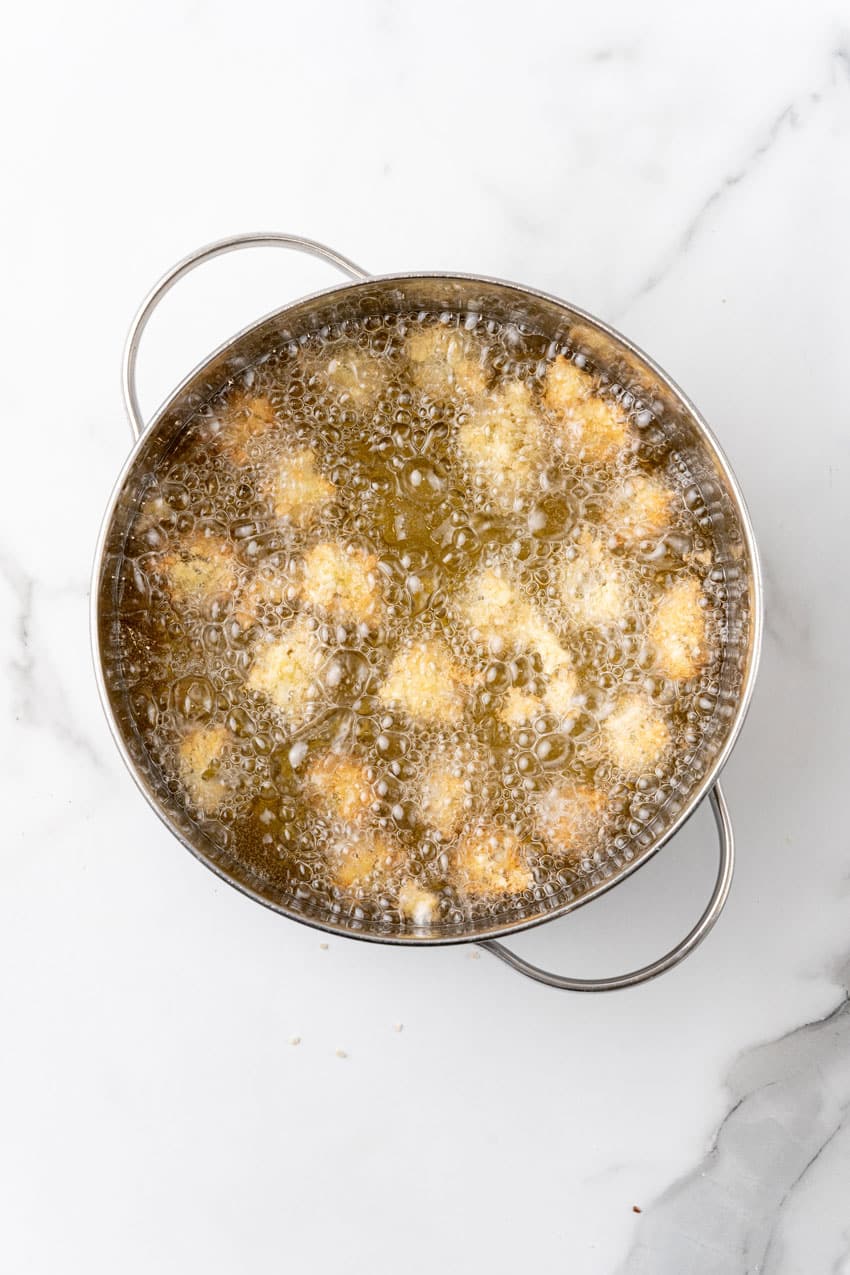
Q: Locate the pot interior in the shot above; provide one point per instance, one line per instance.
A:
(668, 428)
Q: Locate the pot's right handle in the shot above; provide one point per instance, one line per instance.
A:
(675, 955)
(232, 244)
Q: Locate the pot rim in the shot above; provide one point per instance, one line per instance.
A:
(695, 799)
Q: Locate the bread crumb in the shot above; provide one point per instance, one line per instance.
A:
(363, 858)
(592, 428)
(359, 378)
(242, 418)
(342, 582)
(502, 441)
(497, 611)
(199, 759)
(443, 798)
(678, 630)
(489, 860)
(635, 735)
(562, 691)
(339, 785)
(640, 509)
(426, 682)
(443, 361)
(296, 488)
(571, 816)
(517, 707)
(594, 586)
(199, 572)
(285, 671)
(417, 904)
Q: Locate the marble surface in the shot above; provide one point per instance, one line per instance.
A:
(682, 172)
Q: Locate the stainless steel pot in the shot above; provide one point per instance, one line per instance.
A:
(625, 363)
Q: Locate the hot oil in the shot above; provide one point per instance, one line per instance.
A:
(319, 783)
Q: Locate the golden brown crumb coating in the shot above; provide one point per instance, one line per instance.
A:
(285, 670)
(502, 442)
(444, 361)
(570, 816)
(418, 904)
(678, 631)
(636, 735)
(363, 859)
(496, 610)
(490, 861)
(594, 585)
(442, 803)
(641, 508)
(342, 583)
(201, 571)
(356, 376)
(592, 428)
(426, 681)
(339, 785)
(199, 760)
(241, 419)
(296, 489)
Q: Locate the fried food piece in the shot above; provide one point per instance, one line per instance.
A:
(444, 361)
(497, 611)
(285, 670)
(678, 630)
(502, 441)
(342, 582)
(266, 590)
(592, 428)
(296, 489)
(570, 816)
(241, 419)
(363, 860)
(562, 691)
(443, 797)
(355, 376)
(488, 861)
(536, 633)
(417, 904)
(199, 572)
(199, 759)
(636, 735)
(339, 785)
(594, 586)
(426, 681)
(641, 508)
(518, 708)
(489, 604)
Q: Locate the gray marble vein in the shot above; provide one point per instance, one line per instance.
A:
(790, 117)
(39, 697)
(791, 1099)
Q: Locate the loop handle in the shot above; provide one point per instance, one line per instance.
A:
(715, 906)
(221, 246)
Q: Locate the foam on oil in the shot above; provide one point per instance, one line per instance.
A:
(423, 621)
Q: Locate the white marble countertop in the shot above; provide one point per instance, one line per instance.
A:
(680, 171)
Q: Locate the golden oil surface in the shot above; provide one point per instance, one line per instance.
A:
(423, 629)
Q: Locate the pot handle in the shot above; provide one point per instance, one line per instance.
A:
(715, 906)
(167, 282)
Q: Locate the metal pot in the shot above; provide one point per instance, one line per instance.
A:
(625, 363)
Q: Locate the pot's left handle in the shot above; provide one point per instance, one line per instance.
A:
(167, 282)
